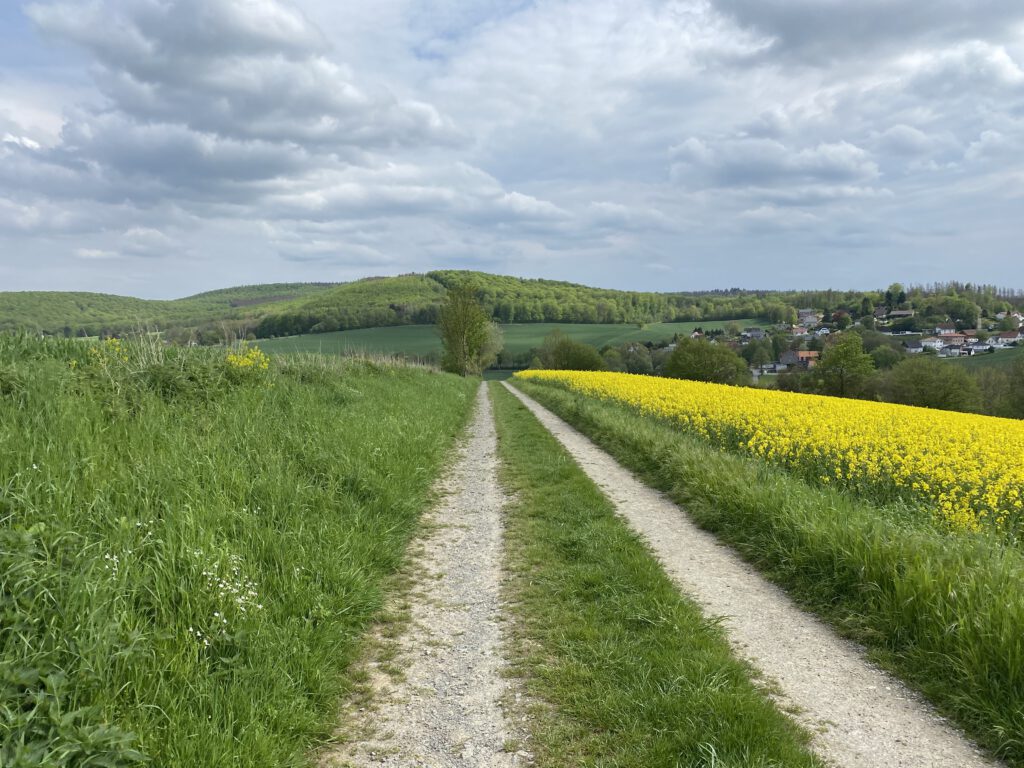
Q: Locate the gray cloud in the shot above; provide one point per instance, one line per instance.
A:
(819, 31)
(617, 142)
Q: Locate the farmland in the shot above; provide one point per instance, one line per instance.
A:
(885, 451)
(420, 341)
(1003, 359)
(941, 605)
(190, 551)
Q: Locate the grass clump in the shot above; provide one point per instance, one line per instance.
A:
(628, 672)
(190, 548)
(943, 611)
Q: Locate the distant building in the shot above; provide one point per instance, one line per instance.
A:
(913, 347)
(808, 316)
(799, 358)
(899, 314)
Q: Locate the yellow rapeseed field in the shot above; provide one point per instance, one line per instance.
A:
(967, 468)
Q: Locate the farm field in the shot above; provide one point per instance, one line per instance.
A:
(885, 451)
(422, 341)
(894, 575)
(1003, 358)
(193, 541)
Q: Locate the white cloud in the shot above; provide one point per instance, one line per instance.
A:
(550, 137)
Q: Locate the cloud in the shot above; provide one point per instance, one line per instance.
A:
(821, 31)
(307, 139)
(750, 162)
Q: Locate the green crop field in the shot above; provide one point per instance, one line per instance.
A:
(1002, 358)
(422, 340)
(192, 542)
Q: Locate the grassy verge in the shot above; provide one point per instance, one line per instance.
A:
(629, 673)
(945, 612)
(191, 545)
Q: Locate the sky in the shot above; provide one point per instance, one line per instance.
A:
(159, 148)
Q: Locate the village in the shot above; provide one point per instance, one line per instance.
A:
(795, 347)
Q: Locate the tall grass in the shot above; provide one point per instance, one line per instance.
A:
(945, 612)
(190, 547)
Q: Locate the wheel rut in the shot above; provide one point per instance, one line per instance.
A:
(445, 711)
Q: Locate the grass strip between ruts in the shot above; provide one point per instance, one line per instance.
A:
(944, 612)
(624, 669)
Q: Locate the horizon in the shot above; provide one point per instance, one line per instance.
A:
(164, 150)
(909, 286)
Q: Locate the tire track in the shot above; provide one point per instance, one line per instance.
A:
(446, 711)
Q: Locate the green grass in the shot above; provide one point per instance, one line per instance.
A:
(945, 612)
(422, 341)
(190, 550)
(1001, 358)
(627, 671)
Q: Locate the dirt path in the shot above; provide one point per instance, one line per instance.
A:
(863, 718)
(445, 711)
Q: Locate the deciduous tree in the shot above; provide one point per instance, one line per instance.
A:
(471, 341)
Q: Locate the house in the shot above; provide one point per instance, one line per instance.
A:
(913, 347)
(799, 358)
(979, 349)
(881, 313)
(798, 331)
(753, 333)
(900, 314)
(808, 316)
(823, 331)
(950, 351)
(953, 339)
(933, 342)
(1009, 337)
(945, 328)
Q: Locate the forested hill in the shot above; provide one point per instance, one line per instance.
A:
(287, 309)
(93, 314)
(414, 299)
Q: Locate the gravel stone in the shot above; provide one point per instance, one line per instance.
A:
(446, 711)
(861, 716)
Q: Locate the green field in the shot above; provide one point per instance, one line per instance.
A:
(1001, 358)
(422, 341)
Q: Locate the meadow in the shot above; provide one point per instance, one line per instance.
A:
(940, 605)
(192, 542)
(422, 341)
(1002, 359)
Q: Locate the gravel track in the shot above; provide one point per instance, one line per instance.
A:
(446, 711)
(861, 716)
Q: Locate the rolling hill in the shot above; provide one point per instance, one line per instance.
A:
(91, 314)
